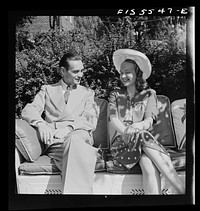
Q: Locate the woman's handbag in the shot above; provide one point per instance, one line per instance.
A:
(127, 153)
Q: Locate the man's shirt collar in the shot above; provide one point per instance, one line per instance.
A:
(66, 86)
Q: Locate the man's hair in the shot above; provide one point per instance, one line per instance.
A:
(69, 56)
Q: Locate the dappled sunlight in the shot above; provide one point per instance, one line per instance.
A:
(161, 106)
(162, 129)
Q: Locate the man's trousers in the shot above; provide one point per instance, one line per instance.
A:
(76, 158)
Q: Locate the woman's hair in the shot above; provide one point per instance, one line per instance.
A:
(140, 83)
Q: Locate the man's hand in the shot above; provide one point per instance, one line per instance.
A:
(46, 133)
(62, 132)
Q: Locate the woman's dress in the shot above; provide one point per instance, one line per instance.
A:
(141, 106)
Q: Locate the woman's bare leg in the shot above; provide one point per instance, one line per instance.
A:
(165, 166)
(150, 176)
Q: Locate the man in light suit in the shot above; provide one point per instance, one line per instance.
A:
(70, 117)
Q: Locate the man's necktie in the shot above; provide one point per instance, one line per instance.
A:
(66, 94)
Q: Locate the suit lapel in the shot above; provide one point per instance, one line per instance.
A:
(74, 101)
(56, 95)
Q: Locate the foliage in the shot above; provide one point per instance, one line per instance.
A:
(21, 20)
(37, 62)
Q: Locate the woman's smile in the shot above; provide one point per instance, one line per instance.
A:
(125, 80)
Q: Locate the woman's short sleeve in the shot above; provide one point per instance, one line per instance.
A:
(113, 104)
(151, 109)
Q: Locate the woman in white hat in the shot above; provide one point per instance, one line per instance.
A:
(132, 112)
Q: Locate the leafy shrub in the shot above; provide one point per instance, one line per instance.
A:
(37, 63)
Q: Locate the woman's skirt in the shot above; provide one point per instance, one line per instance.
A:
(127, 153)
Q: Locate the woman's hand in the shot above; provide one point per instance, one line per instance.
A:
(129, 132)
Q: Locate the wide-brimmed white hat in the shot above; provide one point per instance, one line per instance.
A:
(142, 61)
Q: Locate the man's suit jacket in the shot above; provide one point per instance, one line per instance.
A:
(81, 112)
